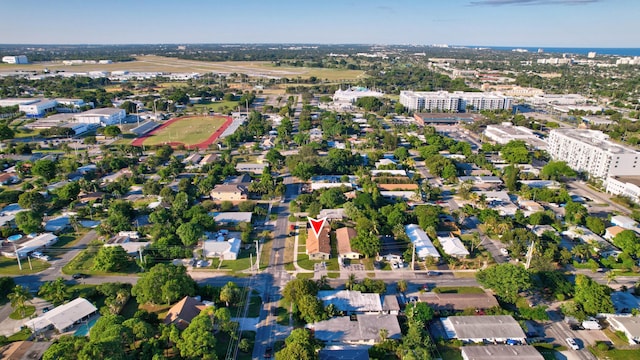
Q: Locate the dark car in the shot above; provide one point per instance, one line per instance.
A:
(268, 352)
(77, 276)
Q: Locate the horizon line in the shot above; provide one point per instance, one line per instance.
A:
(441, 45)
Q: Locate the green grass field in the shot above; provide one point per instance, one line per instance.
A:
(190, 131)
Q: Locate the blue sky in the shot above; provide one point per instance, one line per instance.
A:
(567, 23)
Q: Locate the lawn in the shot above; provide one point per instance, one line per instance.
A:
(187, 131)
(615, 354)
(83, 263)
(10, 266)
(28, 311)
(243, 262)
(223, 341)
(458, 290)
(217, 106)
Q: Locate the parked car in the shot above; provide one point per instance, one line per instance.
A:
(572, 344)
(504, 251)
(77, 276)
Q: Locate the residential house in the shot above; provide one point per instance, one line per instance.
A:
(457, 302)
(624, 221)
(9, 178)
(501, 352)
(344, 236)
(63, 317)
(352, 302)
(224, 250)
(233, 193)
(208, 159)
(423, 246)
(452, 246)
(116, 176)
(319, 247)
(58, 224)
(349, 352)
(183, 312)
(358, 329)
(332, 214)
(630, 325)
(251, 168)
(612, 231)
(89, 197)
(479, 329)
(232, 218)
(128, 241)
(390, 305)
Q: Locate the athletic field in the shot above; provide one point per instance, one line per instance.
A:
(190, 131)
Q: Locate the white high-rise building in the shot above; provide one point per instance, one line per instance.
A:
(592, 152)
(455, 101)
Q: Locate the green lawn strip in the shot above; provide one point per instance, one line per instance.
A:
(10, 266)
(28, 311)
(251, 336)
(216, 105)
(243, 262)
(615, 339)
(615, 354)
(21, 335)
(458, 290)
(305, 276)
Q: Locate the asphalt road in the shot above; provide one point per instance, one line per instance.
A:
(558, 331)
(275, 277)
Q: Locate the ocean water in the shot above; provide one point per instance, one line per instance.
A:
(569, 50)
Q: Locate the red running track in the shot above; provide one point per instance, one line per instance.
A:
(202, 145)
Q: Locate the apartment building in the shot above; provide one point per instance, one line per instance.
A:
(455, 101)
(592, 152)
(506, 132)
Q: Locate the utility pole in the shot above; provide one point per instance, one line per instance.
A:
(529, 255)
(257, 255)
(413, 257)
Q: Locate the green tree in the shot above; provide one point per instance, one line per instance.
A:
(506, 280)
(230, 293)
(575, 213)
(149, 288)
(295, 289)
(366, 242)
(299, 346)
(591, 296)
(311, 309)
(419, 312)
(69, 192)
(628, 242)
(29, 222)
(32, 200)
(19, 297)
(111, 131)
(189, 233)
(6, 285)
(111, 259)
(44, 168)
(595, 224)
(197, 340)
(54, 291)
(516, 152)
(6, 132)
(555, 169)
(274, 157)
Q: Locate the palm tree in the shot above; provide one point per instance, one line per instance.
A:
(383, 334)
(19, 298)
(402, 286)
(351, 281)
(611, 277)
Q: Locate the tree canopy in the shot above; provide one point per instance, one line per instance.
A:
(506, 280)
(163, 284)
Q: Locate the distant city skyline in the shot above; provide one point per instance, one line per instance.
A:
(533, 23)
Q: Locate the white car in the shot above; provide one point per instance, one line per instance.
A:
(504, 251)
(572, 344)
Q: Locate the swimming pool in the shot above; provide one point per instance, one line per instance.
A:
(83, 330)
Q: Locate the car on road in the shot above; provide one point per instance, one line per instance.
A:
(268, 352)
(572, 344)
(433, 273)
(77, 276)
